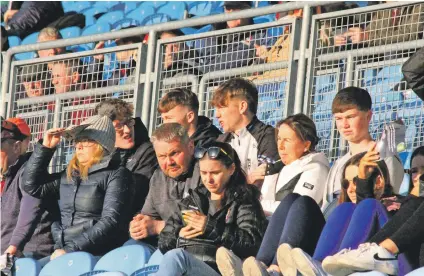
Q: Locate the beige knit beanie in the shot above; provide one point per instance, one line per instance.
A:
(97, 128)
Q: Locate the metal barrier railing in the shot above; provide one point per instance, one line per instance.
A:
(216, 56)
(365, 47)
(63, 90)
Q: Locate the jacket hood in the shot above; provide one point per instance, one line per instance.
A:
(314, 157)
(205, 130)
(141, 134)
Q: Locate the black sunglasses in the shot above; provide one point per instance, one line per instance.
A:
(213, 152)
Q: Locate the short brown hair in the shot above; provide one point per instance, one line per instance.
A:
(236, 88)
(169, 132)
(179, 96)
(350, 98)
(304, 128)
(114, 109)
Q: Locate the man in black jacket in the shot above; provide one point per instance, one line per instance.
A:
(236, 104)
(25, 220)
(27, 17)
(413, 71)
(133, 145)
(178, 174)
(181, 106)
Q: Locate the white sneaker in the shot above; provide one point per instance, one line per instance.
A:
(228, 263)
(253, 267)
(369, 256)
(285, 260)
(305, 264)
(331, 265)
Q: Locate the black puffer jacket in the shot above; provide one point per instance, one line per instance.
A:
(239, 225)
(413, 71)
(94, 212)
(142, 162)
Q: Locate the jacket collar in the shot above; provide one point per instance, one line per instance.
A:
(13, 169)
(105, 162)
(188, 173)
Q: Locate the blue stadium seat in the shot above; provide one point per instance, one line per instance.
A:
(81, 5)
(70, 32)
(175, 10)
(89, 20)
(110, 17)
(124, 6)
(155, 19)
(148, 270)
(124, 23)
(104, 273)
(106, 4)
(157, 4)
(31, 39)
(14, 41)
(68, 6)
(70, 264)
(141, 12)
(126, 259)
(264, 19)
(91, 30)
(201, 8)
(26, 267)
(261, 4)
(94, 11)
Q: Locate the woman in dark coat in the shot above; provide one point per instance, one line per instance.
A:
(225, 211)
(92, 192)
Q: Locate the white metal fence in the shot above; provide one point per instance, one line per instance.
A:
(364, 47)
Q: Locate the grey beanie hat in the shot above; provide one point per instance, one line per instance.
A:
(97, 128)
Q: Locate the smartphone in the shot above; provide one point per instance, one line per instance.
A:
(381, 146)
(187, 210)
(273, 168)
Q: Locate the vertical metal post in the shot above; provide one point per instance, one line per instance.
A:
(349, 70)
(137, 100)
(147, 95)
(300, 82)
(5, 82)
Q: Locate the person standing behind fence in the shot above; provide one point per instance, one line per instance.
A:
(352, 112)
(133, 146)
(25, 220)
(93, 191)
(181, 106)
(413, 72)
(236, 104)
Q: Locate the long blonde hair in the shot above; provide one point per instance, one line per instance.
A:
(74, 164)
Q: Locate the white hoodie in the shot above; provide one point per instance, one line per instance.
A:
(314, 168)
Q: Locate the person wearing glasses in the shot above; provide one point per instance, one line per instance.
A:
(25, 220)
(133, 145)
(360, 213)
(93, 192)
(224, 211)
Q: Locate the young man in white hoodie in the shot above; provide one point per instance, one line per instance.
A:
(351, 109)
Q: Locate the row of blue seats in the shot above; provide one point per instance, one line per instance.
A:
(128, 260)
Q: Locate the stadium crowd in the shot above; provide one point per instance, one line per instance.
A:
(250, 200)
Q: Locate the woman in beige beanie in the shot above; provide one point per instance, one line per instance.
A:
(93, 192)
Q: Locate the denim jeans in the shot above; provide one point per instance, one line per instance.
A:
(179, 262)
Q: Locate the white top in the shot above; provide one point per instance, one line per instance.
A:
(314, 168)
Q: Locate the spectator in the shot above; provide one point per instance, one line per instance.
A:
(402, 234)
(179, 58)
(182, 106)
(236, 104)
(351, 109)
(387, 26)
(358, 216)
(26, 221)
(301, 182)
(227, 213)
(133, 145)
(50, 34)
(92, 192)
(27, 17)
(233, 50)
(178, 174)
(413, 71)
(35, 80)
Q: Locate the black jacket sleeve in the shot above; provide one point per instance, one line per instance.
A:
(245, 239)
(33, 16)
(169, 235)
(413, 71)
(36, 181)
(364, 189)
(114, 213)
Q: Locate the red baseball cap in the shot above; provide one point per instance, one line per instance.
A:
(16, 128)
